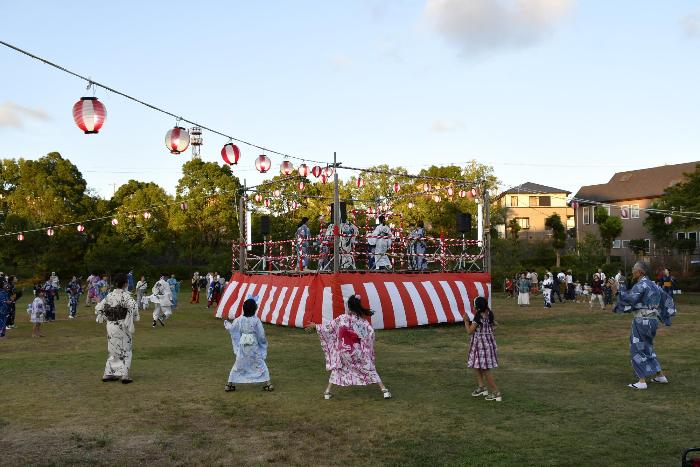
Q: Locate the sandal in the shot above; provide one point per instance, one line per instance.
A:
(387, 394)
(268, 388)
(229, 387)
(327, 395)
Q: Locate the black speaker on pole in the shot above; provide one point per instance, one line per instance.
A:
(343, 212)
(265, 225)
(464, 222)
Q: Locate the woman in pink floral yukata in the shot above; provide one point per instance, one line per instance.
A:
(348, 343)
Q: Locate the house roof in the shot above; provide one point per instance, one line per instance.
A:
(637, 184)
(533, 188)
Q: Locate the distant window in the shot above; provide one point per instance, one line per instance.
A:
(625, 243)
(514, 201)
(617, 243)
(607, 208)
(625, 211)
(680, 235)
(570, 222)
(545, 200)
(523, 222)
(534, 201)
(593, 208)
(693, 235)
(586, 216)
(634, 211)
(647, 245)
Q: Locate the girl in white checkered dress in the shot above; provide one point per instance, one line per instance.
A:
(483, 351)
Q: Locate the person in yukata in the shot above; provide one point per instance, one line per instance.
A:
(650, 304)
(74, 290)
(55, 283)
(418, 247)
(50, 300)
(349, 233)
(4, 304)
(194, 298)
(348, 345)
(547, 285)
(302, 235)
(14, 296)
(163, 299)
(249, 348)
(214, 292)
(119, 310)
(37, 313)
(102, 288)
(141, 287)
(174, 289)
(381, 240)
(327, 243)
(130, 280)
(523, 290)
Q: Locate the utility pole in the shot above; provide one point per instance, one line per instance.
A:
(486, 199)
(336, 217)
(242, 251)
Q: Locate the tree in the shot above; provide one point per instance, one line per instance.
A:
(514, 228)
(129, 202)
(685, 247)
(638, 246)
(554, 223)
(610, 227)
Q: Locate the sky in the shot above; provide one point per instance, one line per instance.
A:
(558, 92)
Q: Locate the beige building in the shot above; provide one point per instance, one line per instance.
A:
(530, 204)
(627, 195)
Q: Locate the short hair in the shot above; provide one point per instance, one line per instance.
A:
(642, 267)
(250, 306)
(120, 280)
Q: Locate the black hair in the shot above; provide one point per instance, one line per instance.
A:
(120, 280)
(420, 224)
(303, 221)
(382, 219)
(481, 305)
(355, 306)
(250, 306)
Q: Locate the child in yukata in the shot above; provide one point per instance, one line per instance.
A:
(578, 291)
(348, 344)
(249, 347)
(37, 312)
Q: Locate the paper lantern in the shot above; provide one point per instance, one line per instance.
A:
(668, 220)
(258, 197)
(370, 210)
(303, 170)
(301, 185)
(396, 187)
(80, 228)
(328, 171)
(295, 205)
(115, 221)
(462, 193)
(410, 205)
(324, 179)
(89, 114)
(50, 232)
(426, 187)
(230, 153)
(360, 182)
(183, 206)
(316, 171)
(437, 198)
(262, 163)
(472, 193)
(574, 205)
(267, 202)
(286, 168)
(277, 193)
(450, 191)
(146, 215)
(177, 140)
(20, 236)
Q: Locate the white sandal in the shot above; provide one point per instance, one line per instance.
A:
(327, 395)
(387, 394)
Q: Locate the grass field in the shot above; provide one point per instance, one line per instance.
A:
(563, 375)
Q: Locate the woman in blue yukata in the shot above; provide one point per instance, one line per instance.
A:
(249, 347)
(650, 304)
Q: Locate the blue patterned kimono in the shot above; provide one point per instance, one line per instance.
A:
(250, 349)
(649, 303)
(50, 299)
(4, 309)
(74, 291)
(174, 289)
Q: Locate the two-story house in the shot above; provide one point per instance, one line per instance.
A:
(627, 195)
(530, 204)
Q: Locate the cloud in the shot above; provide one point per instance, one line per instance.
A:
(691, 24)
(444, 126)
(14, 115)
(480, 26)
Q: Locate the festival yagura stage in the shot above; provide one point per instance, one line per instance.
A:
(398, 300)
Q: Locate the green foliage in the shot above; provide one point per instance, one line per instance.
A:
(610, 227)
(685, 245)
(514, 228)
(638, 246)
(684, 196)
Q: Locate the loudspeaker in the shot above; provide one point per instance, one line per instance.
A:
(464, 222)
(265, 225)
(343, 212)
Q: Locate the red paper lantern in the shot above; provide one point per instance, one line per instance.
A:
(396, 187)
(277, 193)
(115, 221)
(472, 193)
(303, 170)
(324, 179)
(295, 205)
(20, 236)
(437, 198)
(230, 153)
(316, 171)
(49, 232)
(267, 202)
(177, 140)
(80, 228)
(258, 197)
(328, 171)
(301, 185)
(462, 193)
(668, 220)
(286, 168)
(183, 206)
(89, 114)
(360, 182)
(146, 215)
(370, 210)
(426, 187)
(574, 205)
(450, 191)
(262, 163)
